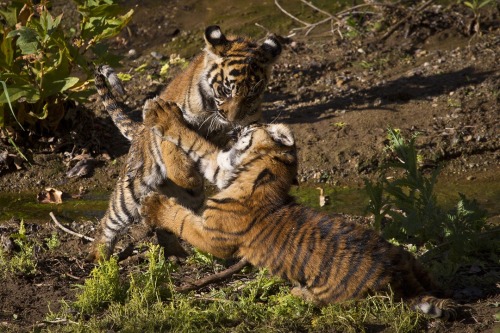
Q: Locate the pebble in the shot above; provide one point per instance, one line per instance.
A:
(132, 53)
(156, 55)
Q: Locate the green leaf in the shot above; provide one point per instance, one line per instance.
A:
(7, 97)
(468, 4)
(10, 15)
(7, 52)
(59, 86)
(484, 3)
(27, 40)
(15, 92)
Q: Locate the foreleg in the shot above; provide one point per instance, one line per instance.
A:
(163, 212)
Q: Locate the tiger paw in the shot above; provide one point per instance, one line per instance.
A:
(98, 252)
(150, 206)
(157, 110)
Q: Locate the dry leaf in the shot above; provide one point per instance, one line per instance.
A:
(50, 195)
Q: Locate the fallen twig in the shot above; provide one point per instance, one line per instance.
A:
(217, 277)
(405, 19)
(373, 4)
(290, 15)
(71, 232)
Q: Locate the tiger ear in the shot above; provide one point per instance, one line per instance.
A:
(281, 134)
(215, 39)
(271, 48)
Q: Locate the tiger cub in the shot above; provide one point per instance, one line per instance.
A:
(329, 258)
(222, 88)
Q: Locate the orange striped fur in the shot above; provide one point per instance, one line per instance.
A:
(221, 89)
(329, 258)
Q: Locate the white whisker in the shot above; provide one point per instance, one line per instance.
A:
(277, 116)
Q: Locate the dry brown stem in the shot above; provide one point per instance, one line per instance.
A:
(217, 277)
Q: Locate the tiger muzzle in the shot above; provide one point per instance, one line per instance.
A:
(232, 109)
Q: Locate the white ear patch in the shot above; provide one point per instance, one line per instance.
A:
(282, 134)
(271, 43)
(215, 34)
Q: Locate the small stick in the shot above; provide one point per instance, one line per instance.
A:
(72, 276)
(217, 277)
(293, 17)
(404, 20)
(71, 232)
(373, 4)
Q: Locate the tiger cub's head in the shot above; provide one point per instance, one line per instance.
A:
(269, 147)
(238, 71)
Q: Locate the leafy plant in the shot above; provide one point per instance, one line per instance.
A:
(23, 260)
(42, 66)
(475, 6)
(201, 258)
(409, 200)
(153, 285)
(101, 288)
(53, 241)
(405, 207)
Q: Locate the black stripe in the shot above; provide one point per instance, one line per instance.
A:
(234, 72)
(262, 237)
(264, 177)
(299, 245)
(236, 61)
(190, 149)
(355, 260)
(223, 209)
(223, 200)
(216, 173)
(285, 162)
(300, 219)
(123, 205)
(115, 225)
(181, 228)
(235, 233)
(221, 239)
(214, 67)
(329, 255)
(362, 283)
(133, 194)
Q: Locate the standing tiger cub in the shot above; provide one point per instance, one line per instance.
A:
(328, 258)
(222, 88)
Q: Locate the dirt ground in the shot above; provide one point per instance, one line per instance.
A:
(338, 95)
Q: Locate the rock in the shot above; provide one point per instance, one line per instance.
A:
(132, 53)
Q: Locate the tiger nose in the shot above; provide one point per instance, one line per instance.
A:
(230, 109)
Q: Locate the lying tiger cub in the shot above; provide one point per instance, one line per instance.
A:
(329, 258)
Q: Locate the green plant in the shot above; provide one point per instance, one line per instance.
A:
(23, 260)
(409, 200)
(39, 61)
(259, 302)
(475, 6)
(101, 288)
(201, 258)
(53, 241)
(155, 284)
(405, 207)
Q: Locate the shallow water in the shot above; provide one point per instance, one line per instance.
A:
(25, 206)
(342, 200)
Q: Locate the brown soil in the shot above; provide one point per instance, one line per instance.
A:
(339, 97)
